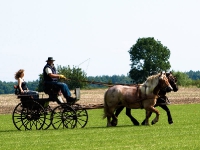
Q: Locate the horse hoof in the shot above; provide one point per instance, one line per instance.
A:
(109, 125)
(152, 123)
(114, 123)
(144, 124)
(136, 124)
(171, 122)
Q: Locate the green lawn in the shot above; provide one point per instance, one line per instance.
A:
(183, 134)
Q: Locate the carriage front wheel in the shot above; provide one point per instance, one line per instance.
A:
(82, 115)
(63, 116)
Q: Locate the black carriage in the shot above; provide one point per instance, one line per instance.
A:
(37, 114)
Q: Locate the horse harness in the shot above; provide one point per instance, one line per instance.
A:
(139, 95)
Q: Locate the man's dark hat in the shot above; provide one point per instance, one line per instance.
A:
(50, 59)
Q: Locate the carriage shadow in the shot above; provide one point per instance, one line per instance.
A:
(13, 130)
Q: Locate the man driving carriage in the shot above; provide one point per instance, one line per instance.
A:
(51, 78)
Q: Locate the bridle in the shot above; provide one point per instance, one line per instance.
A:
(172, 80)
(164, 89)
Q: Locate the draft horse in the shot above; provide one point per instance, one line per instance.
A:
(135, 97)
(161, 101)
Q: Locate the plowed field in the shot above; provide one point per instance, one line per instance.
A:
(95, 97)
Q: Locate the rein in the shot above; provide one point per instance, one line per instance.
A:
(102, 83)
(110, 85)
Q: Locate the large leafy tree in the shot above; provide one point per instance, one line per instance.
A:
(148, 56)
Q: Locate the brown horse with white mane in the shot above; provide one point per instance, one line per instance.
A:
(161, 101)
(135, 97)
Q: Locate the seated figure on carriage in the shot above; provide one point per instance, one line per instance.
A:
(51, 79)
(22, 88)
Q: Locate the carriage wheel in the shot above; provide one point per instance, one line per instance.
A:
(17, 117)
(63, 116)
(47, 122)
(82, 116)
(33, 115)
(28, 115)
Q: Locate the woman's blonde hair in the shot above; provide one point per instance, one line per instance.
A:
(18, 74)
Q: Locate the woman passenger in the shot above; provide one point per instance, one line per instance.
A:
(23, 89)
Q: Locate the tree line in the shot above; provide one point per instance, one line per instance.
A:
(148, 56)
(185, 79)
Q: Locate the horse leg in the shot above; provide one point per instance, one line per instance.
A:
(114, 120)
(143, 122)
(117, 112)
(128, 113)
(157, 115)
(146, 121)
(108, 121)
(134, 121)
(110, 115)
(151, 109)
(170, 121)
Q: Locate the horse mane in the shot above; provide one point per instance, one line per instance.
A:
(152, 80)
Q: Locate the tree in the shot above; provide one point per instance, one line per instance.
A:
(41, 83)
(195, 75)
(76, 76)
(182, 78)
(148, 57)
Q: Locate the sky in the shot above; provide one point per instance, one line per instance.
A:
(94, 35)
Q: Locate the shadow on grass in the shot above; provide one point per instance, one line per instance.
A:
(3, 131)
(86, 128)
(119, 126)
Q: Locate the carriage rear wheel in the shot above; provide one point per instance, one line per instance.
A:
(17, 117)
(82, 116)
(63, 116)
(29, 115)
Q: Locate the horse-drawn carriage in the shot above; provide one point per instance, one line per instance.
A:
(37, 114)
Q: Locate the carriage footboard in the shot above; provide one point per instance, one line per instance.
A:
(77, 93)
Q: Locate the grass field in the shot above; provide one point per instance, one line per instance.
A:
(184, 134)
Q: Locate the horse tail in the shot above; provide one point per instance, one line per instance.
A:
(105, 106)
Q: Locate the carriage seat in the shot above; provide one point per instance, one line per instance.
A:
(54, 92)
(17, 92)
(51, 89)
